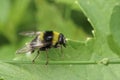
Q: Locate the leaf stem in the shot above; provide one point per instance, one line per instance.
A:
(58, 62)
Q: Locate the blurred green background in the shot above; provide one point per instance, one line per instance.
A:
(39, 15)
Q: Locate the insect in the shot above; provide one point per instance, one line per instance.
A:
(43, 41)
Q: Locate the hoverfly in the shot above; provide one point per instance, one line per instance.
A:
(42, 42)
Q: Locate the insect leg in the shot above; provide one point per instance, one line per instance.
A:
(32, 51)
(46, 56)
(61, 48)
(38, 52)
(62, 51)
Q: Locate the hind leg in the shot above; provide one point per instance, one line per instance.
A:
(38, 52)
(47, 57)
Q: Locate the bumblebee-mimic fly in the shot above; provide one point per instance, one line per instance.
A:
(43, 41)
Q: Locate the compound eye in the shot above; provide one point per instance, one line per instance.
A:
(62, 40)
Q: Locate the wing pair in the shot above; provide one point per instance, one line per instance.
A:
(34, 44)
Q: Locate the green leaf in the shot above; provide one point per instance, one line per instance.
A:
(13, 18)
(12, 72)
(114, 28)
(93, 59)
(59, 19)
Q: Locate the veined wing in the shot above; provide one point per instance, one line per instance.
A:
(27, 48)
(30, 33)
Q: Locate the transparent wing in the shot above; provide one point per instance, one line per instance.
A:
(30, 33)
(25, 49)
(29, 47)
(36, 43)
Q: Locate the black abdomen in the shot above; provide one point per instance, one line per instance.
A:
(48, 37)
